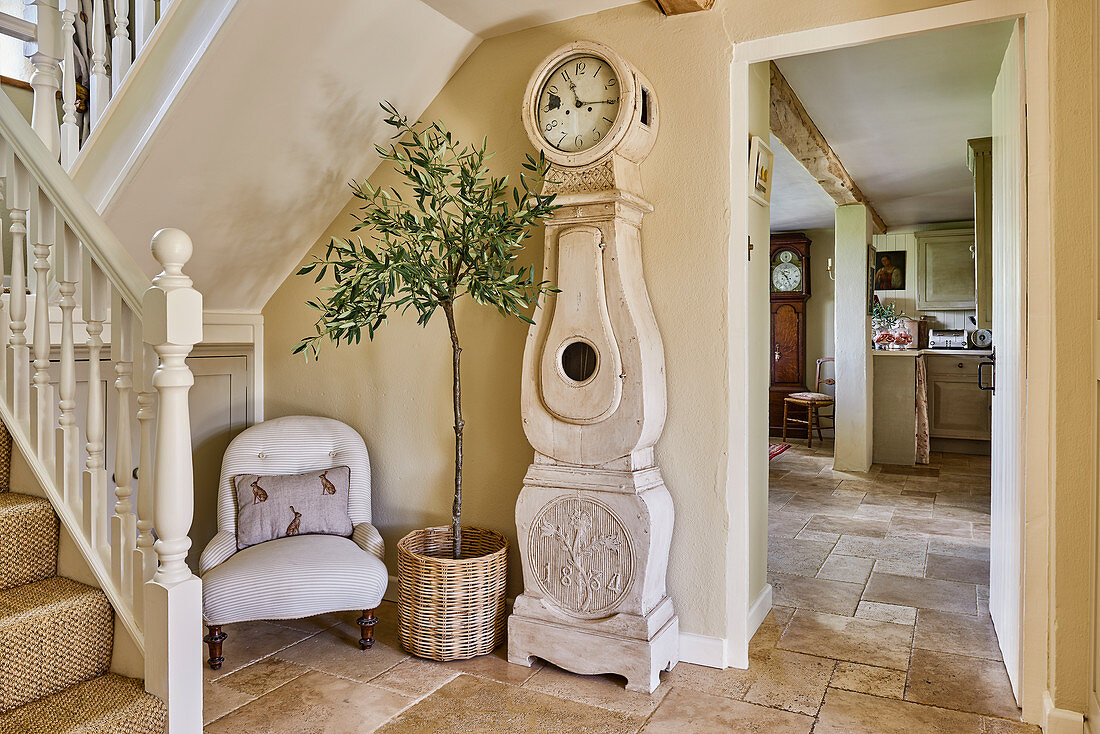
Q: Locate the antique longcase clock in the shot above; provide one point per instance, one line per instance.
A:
(594, 518)
(790, 287)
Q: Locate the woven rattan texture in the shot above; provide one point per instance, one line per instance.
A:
(54, 634)
(5, 459)
(28, 539)
(109, 704)
(452, 610)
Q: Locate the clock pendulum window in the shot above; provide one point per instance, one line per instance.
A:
(594, 518)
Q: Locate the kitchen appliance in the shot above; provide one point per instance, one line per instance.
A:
(981, 338)
(947, 339)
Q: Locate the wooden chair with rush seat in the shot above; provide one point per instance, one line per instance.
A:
(813, 402)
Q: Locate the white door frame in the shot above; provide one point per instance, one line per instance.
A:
(745, 489)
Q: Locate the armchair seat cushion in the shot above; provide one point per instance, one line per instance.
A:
(293, 577)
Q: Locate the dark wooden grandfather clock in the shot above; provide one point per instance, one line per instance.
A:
(789, 271)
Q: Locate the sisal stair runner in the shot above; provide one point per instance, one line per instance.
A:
(56, 635)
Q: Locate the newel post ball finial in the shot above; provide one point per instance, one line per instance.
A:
(172, 248)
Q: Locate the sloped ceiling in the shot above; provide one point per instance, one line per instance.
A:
(898, 114)
(253, 157)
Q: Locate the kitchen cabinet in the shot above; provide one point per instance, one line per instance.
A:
(957, 407)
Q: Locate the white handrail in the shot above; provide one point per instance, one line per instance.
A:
(24, 30)
(118, 265)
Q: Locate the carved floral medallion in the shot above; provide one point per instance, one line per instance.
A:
(581, 556)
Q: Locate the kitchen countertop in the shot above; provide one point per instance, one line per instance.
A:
(916, 352)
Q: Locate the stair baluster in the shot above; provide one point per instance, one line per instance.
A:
(173, 599)
(99, 93)
(44, 421)
(123, 521)
(120, 45)
(18, 195)
(67, 470)
(145, 18)
(46, 79)
(70, 132)
(96, 298)
(145, 558)
(5, 329)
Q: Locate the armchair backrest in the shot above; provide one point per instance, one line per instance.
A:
(292, 445)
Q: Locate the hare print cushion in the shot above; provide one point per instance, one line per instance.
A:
(270, 507)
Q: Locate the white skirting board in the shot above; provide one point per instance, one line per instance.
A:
(1060, 721)
(696, 649)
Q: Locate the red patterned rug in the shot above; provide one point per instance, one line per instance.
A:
(775, 449)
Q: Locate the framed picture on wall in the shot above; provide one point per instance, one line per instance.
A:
(761, 159)
(890, 270)
(870, 278)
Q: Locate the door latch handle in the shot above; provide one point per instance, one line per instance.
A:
(993, 376)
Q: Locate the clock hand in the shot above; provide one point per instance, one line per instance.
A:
(598, 101)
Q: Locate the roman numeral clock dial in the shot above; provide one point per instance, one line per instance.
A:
(578, 104)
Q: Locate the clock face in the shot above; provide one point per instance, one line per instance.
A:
(786, 276)
(577, 104)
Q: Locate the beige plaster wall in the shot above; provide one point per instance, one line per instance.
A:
(396, 390)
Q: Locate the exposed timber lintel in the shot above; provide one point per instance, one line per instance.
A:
(679, 7)
(792, 125)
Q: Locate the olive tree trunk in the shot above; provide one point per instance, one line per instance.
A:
(456, 508)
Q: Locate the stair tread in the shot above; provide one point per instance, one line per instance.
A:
(54, 633)
(107, 704)
(28, 539)
(37, 598)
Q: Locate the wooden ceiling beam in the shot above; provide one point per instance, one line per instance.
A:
(679, 7)
(792, 125)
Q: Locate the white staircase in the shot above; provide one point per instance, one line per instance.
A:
(78, 302)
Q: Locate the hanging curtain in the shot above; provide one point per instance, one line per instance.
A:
(82, 56)
(923, 446)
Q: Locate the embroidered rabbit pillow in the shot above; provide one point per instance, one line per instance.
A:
(270, 507)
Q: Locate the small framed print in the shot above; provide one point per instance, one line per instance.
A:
(761, 159)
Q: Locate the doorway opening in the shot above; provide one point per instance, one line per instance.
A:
(885, 507)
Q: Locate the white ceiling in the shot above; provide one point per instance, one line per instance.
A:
(898, 114)
(798, 202)
(488, 18)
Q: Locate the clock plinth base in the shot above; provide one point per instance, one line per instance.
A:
(591, 652)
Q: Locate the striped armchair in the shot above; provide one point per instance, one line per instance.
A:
(302, 575)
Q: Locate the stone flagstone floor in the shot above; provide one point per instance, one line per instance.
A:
(880, 626)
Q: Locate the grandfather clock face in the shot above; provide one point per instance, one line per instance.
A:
(578, 103)
(787, 272)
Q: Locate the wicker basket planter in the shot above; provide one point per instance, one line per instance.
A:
(452, 609)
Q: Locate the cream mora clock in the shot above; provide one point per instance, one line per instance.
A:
(594, 517)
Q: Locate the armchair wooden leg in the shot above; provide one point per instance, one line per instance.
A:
(366, 629)
(785, 406)
(215, 640)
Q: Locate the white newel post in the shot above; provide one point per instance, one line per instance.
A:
(45, 56)
(173, 599)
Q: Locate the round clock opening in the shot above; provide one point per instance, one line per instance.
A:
(578, 361)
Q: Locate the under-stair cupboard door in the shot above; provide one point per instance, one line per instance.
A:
(1009, 222)
(220, 404)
